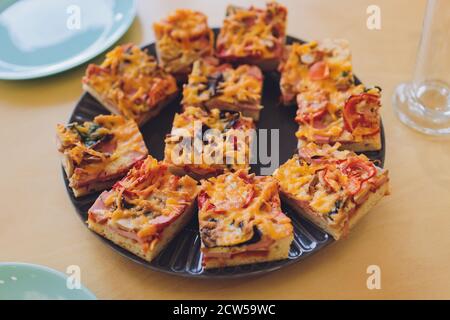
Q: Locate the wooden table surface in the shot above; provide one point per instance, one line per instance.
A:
(406, 235)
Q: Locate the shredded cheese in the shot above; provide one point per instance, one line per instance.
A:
(319, 181)
(297, 69)
(330, 125)
(236, 204)
(253, 32)
(131, 80)
(208, 80)
(148, 199)
(224, 139)
(182, 38)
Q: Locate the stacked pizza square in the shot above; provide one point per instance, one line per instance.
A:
(330, 187)
(317, 77)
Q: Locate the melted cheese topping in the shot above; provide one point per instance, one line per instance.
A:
(208, 80)
(320, 74)
(222, 141)
(147, 200)
(182, 38)
(236, 204)
(318, 180)
(297, 70)
(332, 85)
(330, 126)
(131, 80)
(101, 149)
(253, 33)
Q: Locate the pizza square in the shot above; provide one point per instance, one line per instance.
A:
(212, 85)
(351, 118)
(145, 210)
(96, 154)
(182, 38)
(129, 82)
(205, 143)
(241, 221)
(255, 36)
(313, 66)
(331, 188)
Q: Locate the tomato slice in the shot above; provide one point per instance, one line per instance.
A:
(354, 118)
(357, 172)
(353, 186)
(356, 167)
(331, 178)
(319, 71)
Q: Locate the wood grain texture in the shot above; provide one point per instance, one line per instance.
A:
(407, 234)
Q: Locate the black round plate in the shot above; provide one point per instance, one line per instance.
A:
(182, 256)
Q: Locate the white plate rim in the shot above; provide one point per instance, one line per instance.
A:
(77, 60)
(47, 270)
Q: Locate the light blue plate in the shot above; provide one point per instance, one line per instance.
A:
(22, 281)
(40, 38)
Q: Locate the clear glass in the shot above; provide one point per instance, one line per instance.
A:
(424, 103)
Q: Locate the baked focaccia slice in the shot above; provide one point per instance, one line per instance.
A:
(333, 189)
(182, 38)
(204, 143)
(351, 118)
(129, 82)
(254, 36)
(241, 221)
(145, 210)
(96, 154)
(212, 85)
(324, 65)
